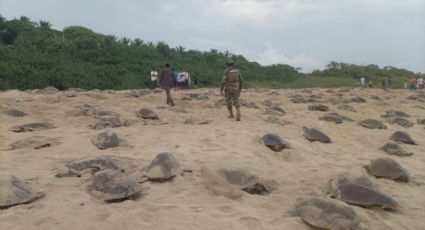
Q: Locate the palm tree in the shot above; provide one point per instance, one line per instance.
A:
(180, 49)
(125, 41)
(137, 42)
(44, 24)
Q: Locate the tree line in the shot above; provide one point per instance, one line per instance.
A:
(34, 55)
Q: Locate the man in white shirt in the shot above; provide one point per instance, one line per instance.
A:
(154, 78)
(362, 82)
(420, 83)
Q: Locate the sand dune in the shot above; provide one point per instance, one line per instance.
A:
(198, 133)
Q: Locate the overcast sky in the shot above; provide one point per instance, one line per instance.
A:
(301, 33)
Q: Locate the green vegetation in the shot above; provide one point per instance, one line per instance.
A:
(33, 55)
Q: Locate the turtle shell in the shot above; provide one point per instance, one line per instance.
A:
(35, 142)
(387, 168)
(403, 137)
(372, 124)
(327, 213)
(14, 191)
(394, 113)
(30, 127)
(163, 167)
(146, 113)
(95, 164)
(331, 118)
(111, 185)
(347, 107)
(105, 140)
(15, 113)
(401, 121)
(313, 134)
(274, 142)
(393, 148)
(359, 190)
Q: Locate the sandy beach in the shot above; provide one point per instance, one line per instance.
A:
(198, 133)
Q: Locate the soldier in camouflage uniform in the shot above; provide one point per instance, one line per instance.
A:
(232, 85)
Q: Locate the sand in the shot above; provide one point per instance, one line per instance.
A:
(185, 202)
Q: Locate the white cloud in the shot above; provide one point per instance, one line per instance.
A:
(272, 56)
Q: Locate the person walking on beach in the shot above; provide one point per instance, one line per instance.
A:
(390, 82)
(413, 83)
(231, 84)
(420, 83)
(362, 82)
(167, 81)
(154, 78)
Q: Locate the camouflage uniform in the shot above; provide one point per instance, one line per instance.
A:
(232, 85)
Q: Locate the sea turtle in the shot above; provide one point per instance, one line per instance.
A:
(163, 167)
(331, 118)
(344, 118)
(346, 107)
(14, 191)
(231, 182)
(274, 111)
(359, 190)
(146, 113)
(372, 124)
(15, 113)
(276, 120)
(107, 122)
(105, 140)
(393, 148)
(358, 99)
(327, 213)
(387, 168)
(277, 108)
(35, 142)
(94, 111)
(394, 113)
(319, 107)
(113, 185)
(299, 100)
(94, 164)
(274, 142)
(101, 125)
(403, 137)
(313, 134)
(31, 127)
(401, 121)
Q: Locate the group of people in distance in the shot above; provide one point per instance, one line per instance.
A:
(416, 82)
(182, 79)
(362, 82)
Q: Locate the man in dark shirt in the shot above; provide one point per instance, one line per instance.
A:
(167, 81)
